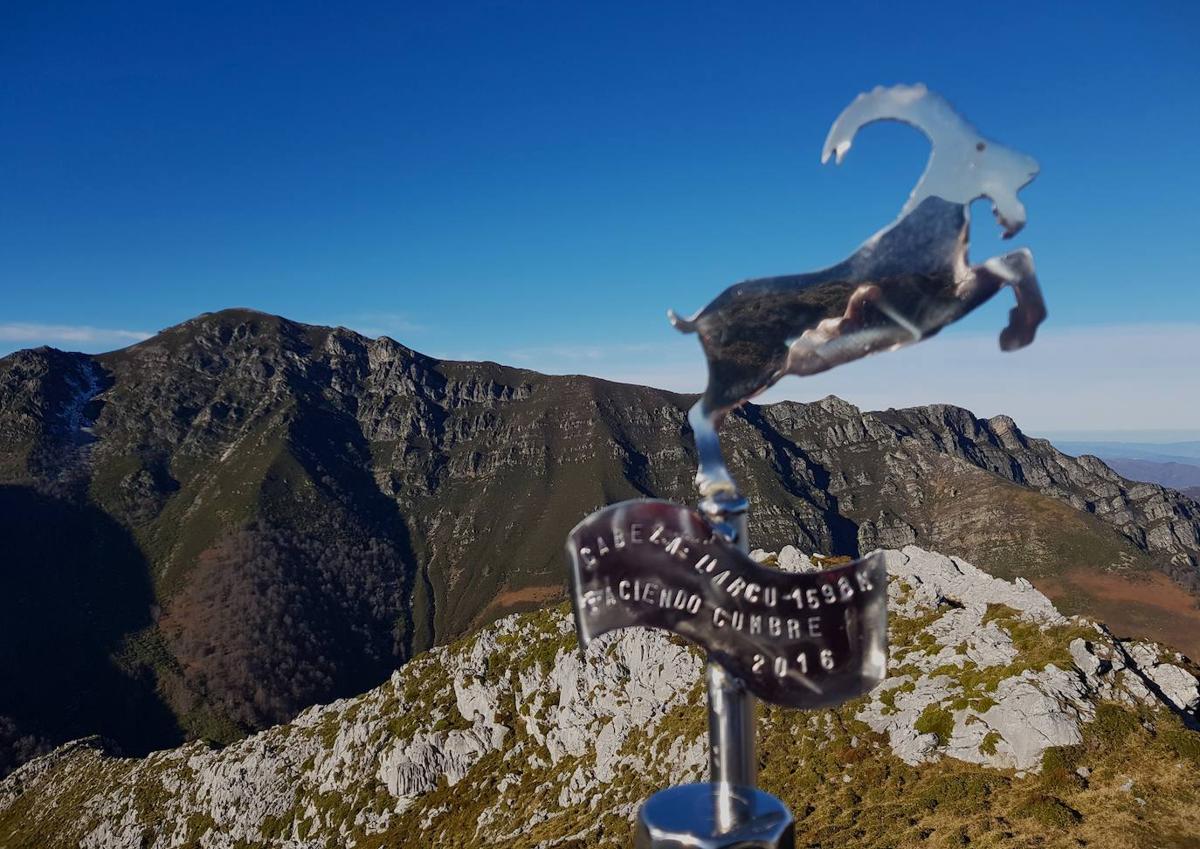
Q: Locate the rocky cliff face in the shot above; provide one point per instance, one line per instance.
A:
(1156, 519)
(275, 514)
(1002, 723)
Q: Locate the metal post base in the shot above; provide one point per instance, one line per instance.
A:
(685, 817)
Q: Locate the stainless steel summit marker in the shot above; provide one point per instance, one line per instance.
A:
(813, 639)
(807, 640)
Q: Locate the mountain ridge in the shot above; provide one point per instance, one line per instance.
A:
(303, 509)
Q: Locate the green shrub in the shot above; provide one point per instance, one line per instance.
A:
(1058, 767)
(935, 719)
(1181, 741)
(1113, 723)
(989, 742)
(1061, 759)
(960, 794)
(1050, 812)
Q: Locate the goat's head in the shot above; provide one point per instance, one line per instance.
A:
(963, 165)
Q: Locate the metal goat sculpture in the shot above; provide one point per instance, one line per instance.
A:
(904, 284)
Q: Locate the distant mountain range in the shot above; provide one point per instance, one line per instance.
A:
(1158, 452)
(1179, 476)
(1173, 464)
(243, 516)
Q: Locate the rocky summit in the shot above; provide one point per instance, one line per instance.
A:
(1003, 723)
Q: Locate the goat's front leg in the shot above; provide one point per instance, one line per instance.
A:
(712, 477)
(1016, 270)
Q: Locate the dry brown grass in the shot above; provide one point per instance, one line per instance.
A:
(1148, 605)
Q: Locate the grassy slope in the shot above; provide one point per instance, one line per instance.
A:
(1083, 564)
(837, 776)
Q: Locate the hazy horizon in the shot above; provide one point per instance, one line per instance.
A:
(882, 381)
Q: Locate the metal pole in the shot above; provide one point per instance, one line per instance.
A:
(731, 758)
(731, 709)
(728, 812)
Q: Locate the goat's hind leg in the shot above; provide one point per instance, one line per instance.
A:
(1016, 270)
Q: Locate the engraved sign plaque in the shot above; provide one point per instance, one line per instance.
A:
(808, 640)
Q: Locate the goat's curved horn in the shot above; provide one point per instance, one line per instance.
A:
(914, 105)
(962, 166)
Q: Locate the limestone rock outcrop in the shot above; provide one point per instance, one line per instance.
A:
(513, 737)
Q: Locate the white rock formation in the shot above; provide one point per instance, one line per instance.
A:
(933, 578)
(790, 559)
(519, 710)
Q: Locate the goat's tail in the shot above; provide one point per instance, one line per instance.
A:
(683, 325)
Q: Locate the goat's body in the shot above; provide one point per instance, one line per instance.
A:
(903, 285)
(907, 281)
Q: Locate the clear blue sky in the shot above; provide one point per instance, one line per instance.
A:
(536, 183)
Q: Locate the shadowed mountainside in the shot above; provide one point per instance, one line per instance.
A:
(303, 508)
(74, 585)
